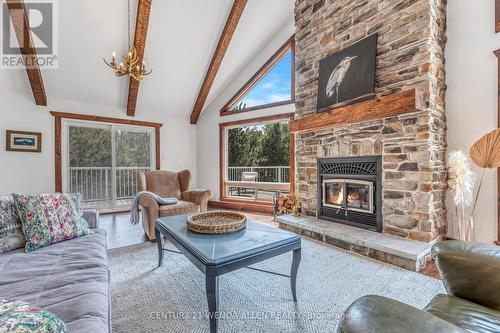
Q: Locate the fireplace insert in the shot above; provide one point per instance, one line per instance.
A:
(349, 191)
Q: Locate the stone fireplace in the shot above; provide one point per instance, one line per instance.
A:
(408, 142)
(349, 191)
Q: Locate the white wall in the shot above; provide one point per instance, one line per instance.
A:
(471, 99)
(34, 172)
(207, 131)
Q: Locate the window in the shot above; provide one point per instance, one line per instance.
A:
(272, 85)
(102, 161)
(256, 158)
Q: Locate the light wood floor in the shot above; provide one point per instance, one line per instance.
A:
(120, 232)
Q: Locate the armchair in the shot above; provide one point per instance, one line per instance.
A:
(168, 184)
(471, 275)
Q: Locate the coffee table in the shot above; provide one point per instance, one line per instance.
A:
(215, 255)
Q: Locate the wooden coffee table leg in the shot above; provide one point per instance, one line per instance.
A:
(212, 288)
(293, 272)
(160, 246)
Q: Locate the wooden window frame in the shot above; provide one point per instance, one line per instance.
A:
(59, 116)
(222, 158)
(497, 17)
(282, 51)
(497, 53)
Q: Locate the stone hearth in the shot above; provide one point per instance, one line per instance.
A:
(405, 253)
(410, 48)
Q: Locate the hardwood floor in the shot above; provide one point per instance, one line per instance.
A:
(431, 270)
(121, 233)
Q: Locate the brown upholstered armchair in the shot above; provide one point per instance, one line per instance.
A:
(172, 185)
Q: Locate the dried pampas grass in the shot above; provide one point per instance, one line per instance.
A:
(461, 181)
(460, 178)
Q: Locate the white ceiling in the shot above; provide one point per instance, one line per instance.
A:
(182, 38)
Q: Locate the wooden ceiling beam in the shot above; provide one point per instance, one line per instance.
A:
(218, 56)
(20, 21)
(141, 32)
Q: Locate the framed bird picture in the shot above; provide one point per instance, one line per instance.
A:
(348, 76)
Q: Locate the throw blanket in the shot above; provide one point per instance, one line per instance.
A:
(134, 212)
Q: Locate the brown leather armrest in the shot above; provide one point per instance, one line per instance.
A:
(377, 314)
(470, 271)
(199, 197)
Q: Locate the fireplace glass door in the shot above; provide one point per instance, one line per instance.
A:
(356, 195)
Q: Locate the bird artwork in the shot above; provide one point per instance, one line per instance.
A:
(337, 77)
(347, 76)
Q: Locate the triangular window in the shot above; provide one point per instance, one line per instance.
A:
(271, 86)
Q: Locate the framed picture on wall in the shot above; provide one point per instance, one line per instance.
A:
(348, 76)
(24, 141)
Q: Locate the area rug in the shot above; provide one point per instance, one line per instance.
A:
(172, 298)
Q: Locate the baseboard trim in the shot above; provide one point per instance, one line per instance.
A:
(266, 208)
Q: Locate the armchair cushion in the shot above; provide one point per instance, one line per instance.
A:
(470, 271)
(467, 315)
(181, 208)
(377, 314)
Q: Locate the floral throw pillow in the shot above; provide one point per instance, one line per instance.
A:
(50, 218)
(21, 317)
(11, 233)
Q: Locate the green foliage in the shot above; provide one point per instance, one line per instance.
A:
(133, 149)
(91, 147)
(267, 145)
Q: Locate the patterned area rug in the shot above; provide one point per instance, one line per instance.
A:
(172, 298)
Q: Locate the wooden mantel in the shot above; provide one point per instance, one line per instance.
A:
(386, 106)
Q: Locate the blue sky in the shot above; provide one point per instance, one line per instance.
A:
(275, 86)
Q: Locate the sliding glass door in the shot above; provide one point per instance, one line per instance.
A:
(101, 162)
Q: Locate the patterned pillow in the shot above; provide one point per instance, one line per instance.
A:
(21, 317)
(11, 233)
(50, 218)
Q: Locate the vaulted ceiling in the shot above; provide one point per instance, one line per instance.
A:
(181, 40)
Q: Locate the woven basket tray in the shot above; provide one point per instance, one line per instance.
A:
(216, 222)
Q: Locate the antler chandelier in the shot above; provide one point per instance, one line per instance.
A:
(130, 64)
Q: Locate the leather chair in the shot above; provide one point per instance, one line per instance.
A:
(168, 184)
(471, 275)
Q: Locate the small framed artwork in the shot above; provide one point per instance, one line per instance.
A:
(24, 141)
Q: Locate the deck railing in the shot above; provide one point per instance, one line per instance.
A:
(268, 174)
(95, 183)
(268, 180)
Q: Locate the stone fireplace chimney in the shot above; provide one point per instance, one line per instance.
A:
(411, 142)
